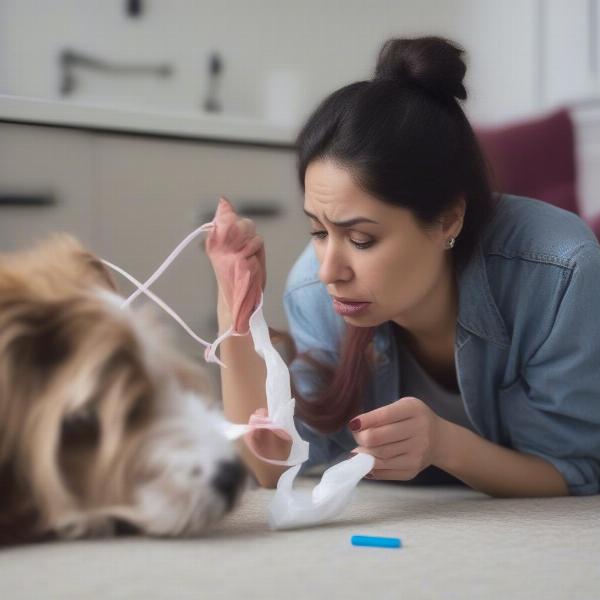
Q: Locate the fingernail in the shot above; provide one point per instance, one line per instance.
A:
(354, 425)
(369, 476)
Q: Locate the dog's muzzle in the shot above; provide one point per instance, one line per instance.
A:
(229, 480)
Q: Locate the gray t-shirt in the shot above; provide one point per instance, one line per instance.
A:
(418, 383)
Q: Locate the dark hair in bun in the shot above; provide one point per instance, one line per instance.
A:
(432, 63)
(405, 139)
(404, 136)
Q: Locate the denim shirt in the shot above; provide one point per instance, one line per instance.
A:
(527, 344)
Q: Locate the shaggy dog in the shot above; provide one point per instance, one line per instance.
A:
(104, 427)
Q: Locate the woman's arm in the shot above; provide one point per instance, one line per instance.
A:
(406, 437)
(494, 469)
(243, 392)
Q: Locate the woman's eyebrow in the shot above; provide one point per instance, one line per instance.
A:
(348, 223)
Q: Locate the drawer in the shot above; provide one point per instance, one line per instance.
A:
(45, 184)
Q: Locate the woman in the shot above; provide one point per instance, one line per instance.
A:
(440, 329)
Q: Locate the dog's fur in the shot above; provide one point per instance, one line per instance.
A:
(101, 424)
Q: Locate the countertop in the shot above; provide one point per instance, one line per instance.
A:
(145, 121)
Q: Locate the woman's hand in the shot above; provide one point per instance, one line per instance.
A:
(234, 245)
(268, 443)
(404, 437)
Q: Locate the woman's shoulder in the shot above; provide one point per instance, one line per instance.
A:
(535, 230)
(535, 258)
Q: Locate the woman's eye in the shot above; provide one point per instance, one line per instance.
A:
(362, 245)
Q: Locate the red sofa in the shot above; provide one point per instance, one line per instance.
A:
(536, 158)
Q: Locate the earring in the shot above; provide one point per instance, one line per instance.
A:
(450, 243)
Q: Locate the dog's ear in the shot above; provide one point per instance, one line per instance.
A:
(32, 335)
(68, 246)
(33, 343)
(97, 266)
(103, 273)
(58, 263)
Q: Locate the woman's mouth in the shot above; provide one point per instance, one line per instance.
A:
(346, 307)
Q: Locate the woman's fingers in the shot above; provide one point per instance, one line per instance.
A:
(263, 266)
(402, 409)
(386, 434)
(387, 451)
(232, 230)
(235, 232)
(236, 237)
(253, 246)
(246, 227)
(399, 456)
(269, 444)
(392, 474)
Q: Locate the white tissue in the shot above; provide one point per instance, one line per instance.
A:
(297, 508)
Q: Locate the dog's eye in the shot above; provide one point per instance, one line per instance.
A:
(82, 427)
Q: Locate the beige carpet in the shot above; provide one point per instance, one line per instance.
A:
(457, 544)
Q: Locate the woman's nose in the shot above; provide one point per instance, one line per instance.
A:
(333, 266)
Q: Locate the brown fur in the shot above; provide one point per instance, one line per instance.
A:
(81, 395)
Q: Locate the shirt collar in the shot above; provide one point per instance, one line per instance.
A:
(477, 309)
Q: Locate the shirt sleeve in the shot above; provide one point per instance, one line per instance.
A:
(313, 331)
(555, 406)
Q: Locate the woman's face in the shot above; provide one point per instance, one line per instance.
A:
(376, 258)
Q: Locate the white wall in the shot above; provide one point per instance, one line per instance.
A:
(322, 43)
(502, 43)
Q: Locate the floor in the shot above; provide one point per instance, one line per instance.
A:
(456, 544)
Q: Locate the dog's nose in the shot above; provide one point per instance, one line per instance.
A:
(229, 479)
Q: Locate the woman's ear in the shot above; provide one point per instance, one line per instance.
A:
(453, 217)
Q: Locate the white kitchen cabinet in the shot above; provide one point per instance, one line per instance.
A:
(150, 193)
(132, 199)
(39, 162)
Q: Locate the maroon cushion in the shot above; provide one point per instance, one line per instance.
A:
(534, 158)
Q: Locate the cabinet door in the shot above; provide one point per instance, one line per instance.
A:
(151, 193)
(45, 184)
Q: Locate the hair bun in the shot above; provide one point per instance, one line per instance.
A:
(432, 63)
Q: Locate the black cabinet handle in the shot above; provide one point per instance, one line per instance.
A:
(251, 209)
(27, 200)
(259, 210)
